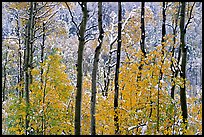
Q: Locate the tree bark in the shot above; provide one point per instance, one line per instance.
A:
(32, 35)
(95, 68)
(142, 42)
(5, 79)
(116, 120)
(164, 21)
(20, 72)
(162, 60)
(183, 63)
(27, 64)
(41, 77)
(175, 73)
(80, 69)
(108, 64)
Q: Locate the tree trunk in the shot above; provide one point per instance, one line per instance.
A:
(95, 68)
(80, 69)
(41, 78)
(183, 63)
(108, 64)
(116, 120)
(20, 69)
(162, 60)
(142, 42)
(164, 21)
(20, 73)
(4, 70)
(107, 75)
(175, 72)
(32, 34)
(28, 65)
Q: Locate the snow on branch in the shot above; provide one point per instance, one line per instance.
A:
(190, 17)
(72, 18)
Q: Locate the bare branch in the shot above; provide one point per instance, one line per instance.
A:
(91, 27)
(92, 15)
(113, 50)
(38, 9)
(112, 65)
(90, 34)
(189, 19)
(123, 26)
(168, 4)
(89, 40)
(170, 26)
(133, 127)
(10, 38)
(40, 16)
(100, 85)
(22, 17)
(72, 18)
(37, 28)
(51, 16)
(80, 4)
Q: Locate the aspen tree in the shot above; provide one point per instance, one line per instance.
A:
(95, 68)
(116, 120)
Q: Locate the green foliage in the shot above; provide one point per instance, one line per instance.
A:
(57, 107)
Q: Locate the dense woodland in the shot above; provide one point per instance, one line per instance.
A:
(102, 68)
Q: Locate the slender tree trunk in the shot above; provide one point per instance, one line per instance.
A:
(201, 75)
(80, 69)
(183, 63)
(162, 60)
(32, 34)
(108, 64)
(44, 94)
(5, 79)
(41, 77)
(95, 68)
(142, 42)
(164, 21)
(175, 72)
(116, 120)
(27, 65)
(107, 75)
(20, 73)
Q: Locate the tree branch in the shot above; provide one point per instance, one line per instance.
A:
(112, 65)
(133, 127)
(100, 85)
(113, 50)
(92, 27)
(89, 40)
(189, 18)
(123, 26)
(91, 15)
(72, 18)
(170, 26)
(40, 16)
(38, 9)
(51, 16)
(90, 35)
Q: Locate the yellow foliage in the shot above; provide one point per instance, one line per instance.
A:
(53, 100)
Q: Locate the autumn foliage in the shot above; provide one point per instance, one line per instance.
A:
(53, 90)
(137, 102)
